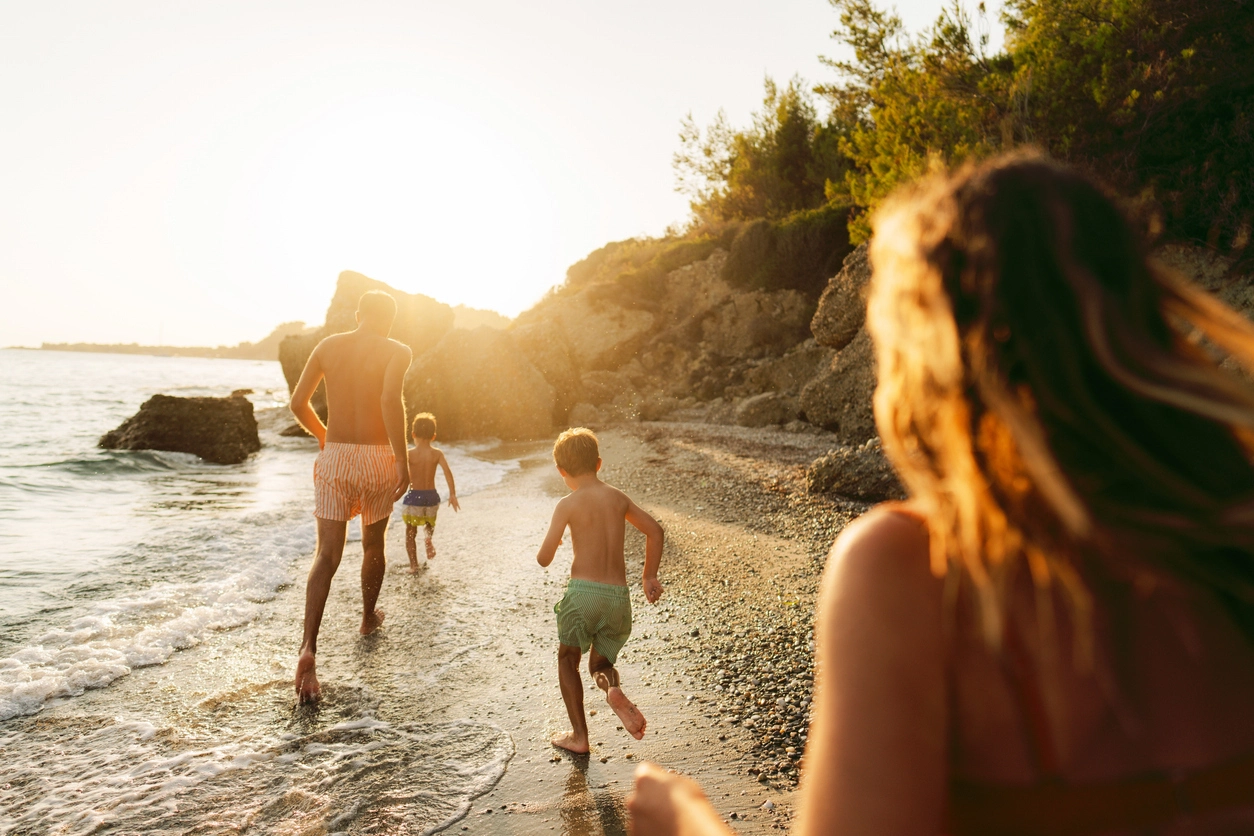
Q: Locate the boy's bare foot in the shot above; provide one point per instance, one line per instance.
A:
(633, 720)
(307, 688)
(430, 550)
(571, 743)
(372, 622)
(414, 566)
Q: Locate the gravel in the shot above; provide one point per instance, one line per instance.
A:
(746, 546)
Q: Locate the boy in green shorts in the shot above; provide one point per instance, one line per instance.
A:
(595, 614)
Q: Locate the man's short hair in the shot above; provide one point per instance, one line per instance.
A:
(423, 426)
(576, 451)
(377, 305)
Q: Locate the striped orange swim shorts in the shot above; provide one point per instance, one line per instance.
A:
(352, 479)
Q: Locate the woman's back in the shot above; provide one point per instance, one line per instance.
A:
(1168, 695)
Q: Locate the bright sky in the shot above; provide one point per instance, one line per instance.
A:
(197, 172)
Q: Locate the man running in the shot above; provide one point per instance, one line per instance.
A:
(361, 467)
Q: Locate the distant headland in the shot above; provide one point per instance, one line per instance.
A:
(264, 349)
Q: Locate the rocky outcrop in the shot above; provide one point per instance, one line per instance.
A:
(219, 430)
(839, 397)
(841, 311)
(478, 384)
(421, 322)
(861, 472)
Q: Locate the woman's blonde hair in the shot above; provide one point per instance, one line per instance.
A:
(1046, 393)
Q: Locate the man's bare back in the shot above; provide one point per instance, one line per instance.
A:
(355, 367)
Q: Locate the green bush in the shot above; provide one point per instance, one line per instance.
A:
(800, 252)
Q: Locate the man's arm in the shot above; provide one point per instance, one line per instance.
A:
(448, 477)
(310, 377)
(554, 538)
(394, 413)
(654, 537)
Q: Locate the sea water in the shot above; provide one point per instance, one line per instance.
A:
(114, 561)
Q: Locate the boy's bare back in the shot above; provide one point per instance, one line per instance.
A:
(597, 514)
(423, 460)
(597, 517)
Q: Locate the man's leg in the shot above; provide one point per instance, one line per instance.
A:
(326, 560)
(572, 694)
(373, 565)
(606, 678)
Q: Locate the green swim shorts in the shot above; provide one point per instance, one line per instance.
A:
(596, 615)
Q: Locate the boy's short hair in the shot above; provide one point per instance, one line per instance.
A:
(576, 451)
(377, 305)
(423, 426)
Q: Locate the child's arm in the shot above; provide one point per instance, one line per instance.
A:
(554, 538)
(652, 549)
(448, 477)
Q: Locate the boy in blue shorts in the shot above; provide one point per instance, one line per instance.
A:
(595, 614)
(420, 505)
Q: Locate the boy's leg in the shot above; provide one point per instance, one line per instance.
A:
(572, 694)
(430, 546)
(411, 546)
(373, 565)
(327, 554)
(606, 677)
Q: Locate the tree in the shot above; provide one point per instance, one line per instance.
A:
(779, 165)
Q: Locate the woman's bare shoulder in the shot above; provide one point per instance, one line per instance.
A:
(881, 556)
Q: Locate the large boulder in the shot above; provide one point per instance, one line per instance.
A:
(219, 430)
(789, 372)
(839, 399)
(861, 472)
(478, 384)
(546, 347)
(766, 409)
(421, 321)
(600, 332)
(841, 311)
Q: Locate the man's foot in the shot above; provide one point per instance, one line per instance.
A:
(633, 720)
(371, 622)
(430, 550)
(307, 688)
(571, 743)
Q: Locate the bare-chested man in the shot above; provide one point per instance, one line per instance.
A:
(362, 467)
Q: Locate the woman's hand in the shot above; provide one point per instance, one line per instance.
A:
(666, 804)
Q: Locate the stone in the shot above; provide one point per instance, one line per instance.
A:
(766, 409)
(839, 399)
(479, 385)
(756, 323)
(583, 415)
(789, 372)
(861, 472)
(601, 334)
(604, 387)
(841, 311)
(546, 347)
(218, 430)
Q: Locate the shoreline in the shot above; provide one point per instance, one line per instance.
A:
(467, 655)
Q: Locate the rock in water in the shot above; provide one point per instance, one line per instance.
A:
(219, 430)
(478, 384)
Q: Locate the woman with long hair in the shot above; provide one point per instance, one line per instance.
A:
(1055, 634)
